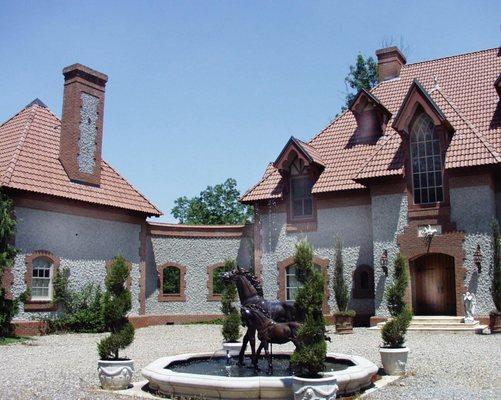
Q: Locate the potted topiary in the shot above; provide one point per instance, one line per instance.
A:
(115, 373)
(495, 315)
(307, 361)
(394, 352)
(231, 323)
(343, 318)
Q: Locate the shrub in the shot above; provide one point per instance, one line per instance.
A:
(496, 270)
(8, 306)
(231, 323)
(309, 356)
(393, 332)
(116, 304)
(341, 290)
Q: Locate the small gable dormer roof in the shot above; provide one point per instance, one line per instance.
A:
(297, 148)
(417, 96)
(497, 85)
(362, 98)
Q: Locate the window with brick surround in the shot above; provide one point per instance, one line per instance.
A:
(300, 190)
(292, 284)
(426, 161)
(171, 282)
(363, 282)
(41, 269)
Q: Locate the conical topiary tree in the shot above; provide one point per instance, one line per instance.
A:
(496, 270)
(393, 332)
(341, 293)
(116, 304)
(309, 357)
(8, 306)
(231, 323)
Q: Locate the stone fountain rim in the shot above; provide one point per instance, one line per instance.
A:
(349, 380)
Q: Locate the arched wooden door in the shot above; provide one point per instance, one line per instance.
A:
(433, 285)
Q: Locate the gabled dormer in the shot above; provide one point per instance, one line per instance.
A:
(497, 85)
(371, 115)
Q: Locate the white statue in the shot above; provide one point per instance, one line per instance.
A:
(429, 232)
(470, 302)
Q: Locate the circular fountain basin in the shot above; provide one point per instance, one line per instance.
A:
(206, 376)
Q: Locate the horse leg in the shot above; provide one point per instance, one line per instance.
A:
(244, 347)
(256, 356)
(270, 360)
(252, 340)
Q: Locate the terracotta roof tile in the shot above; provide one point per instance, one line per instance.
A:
(29, 160)
(467, 97)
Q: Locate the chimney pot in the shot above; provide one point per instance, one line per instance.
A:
(82, 123)
(390, 62)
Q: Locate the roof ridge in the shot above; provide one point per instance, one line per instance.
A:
(12, 163)
(452, 56)
(131, 186)
(484, 141)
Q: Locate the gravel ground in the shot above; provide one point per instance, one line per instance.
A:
(441, 365)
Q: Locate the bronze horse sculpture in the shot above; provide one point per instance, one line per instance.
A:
(250, 293)
(269, 332)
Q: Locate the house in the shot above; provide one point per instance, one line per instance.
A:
(412, 166)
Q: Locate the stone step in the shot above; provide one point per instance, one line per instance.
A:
(415, 325)
(467, 328)
(435, 319)
(440, 324)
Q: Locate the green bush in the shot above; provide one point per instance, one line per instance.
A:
(309, 356)
(116, 304)
(8, 306)
(393, 332)
(341, 290)
(231, 323)
(496, 270)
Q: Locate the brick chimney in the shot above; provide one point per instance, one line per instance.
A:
(390, 62)
(82, 123)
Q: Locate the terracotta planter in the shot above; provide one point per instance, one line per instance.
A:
(394, 360)
(495, 322)
(344, 324)
(324, 388)
(115, 374)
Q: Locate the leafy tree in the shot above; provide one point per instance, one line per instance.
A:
(496, 271)
(231, 323)
(116, 304)
(393, 332)
(8, 306)
(216, 205)
(341, 292)
(308, 358)
(362, 75)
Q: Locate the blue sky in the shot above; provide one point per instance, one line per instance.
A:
(200, 91)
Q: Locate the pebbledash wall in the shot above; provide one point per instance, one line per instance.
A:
(82, 244)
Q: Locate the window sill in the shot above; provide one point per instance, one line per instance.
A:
(171, 297)
(214, 297)
(301, 226)
(40, 305)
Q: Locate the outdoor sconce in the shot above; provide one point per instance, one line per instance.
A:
(477, 258)
(384, 262)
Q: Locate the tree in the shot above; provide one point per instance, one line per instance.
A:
(216, 205)
(8, 306)
(231, 323)
(341, 292)
(309, 356)
(496, 271)
(116, 304)
(362, 75)
(393, 332)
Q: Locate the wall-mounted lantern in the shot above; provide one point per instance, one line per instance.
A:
(384, 262)
(477, 258)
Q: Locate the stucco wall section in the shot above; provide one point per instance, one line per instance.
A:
(88, 132)
(196, 254)
(351, 223)
(473, 210)
(82, 244)
(389, 218)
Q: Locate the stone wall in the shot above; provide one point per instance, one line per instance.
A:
(82, 244)
(473, 210)
(352, 223)
(196, 254)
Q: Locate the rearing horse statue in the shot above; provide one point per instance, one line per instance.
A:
(250, 292)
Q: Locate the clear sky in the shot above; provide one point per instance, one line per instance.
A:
(200, 91)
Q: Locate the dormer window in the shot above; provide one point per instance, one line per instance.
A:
(371, 116)
(426, 160)
(300, 189)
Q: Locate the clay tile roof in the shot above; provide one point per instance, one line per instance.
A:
(467, 98)
(29, 160)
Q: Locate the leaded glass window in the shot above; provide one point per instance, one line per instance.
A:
(301, 185)
(41, 283)
(427, 175)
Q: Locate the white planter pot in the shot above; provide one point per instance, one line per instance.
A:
(232, 347)
(324, 388)
(115, 374)
(394, 360)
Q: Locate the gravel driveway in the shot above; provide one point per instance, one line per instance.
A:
(442, 366)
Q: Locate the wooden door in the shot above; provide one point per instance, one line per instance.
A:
(434, 285)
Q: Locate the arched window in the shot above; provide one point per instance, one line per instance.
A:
(426, 161)
(42, 279)
(215, 285)
(300, 189)
(363, 282)
(171, 278)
